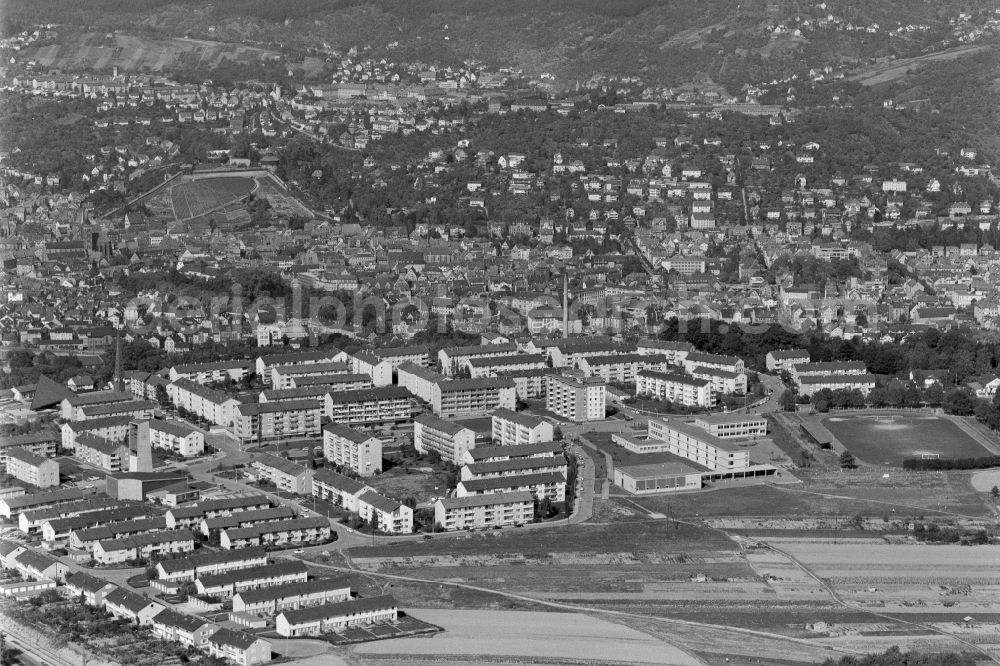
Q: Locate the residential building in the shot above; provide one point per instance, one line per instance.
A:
(674, 387)
(31, 468)
(337, 616)
(206, 564)
(576, 398)
(225, 585)
(264, 421)
(472, 397)
(386, 404)
(143, 546)
(270, 601)
(510, 428)
(778, 360)
(551, 485)
(240, 648)
(135, 608)
(277, 533)
(176, 436)
(450, 439)
(285, 474)
(484, 511)
(354, 449)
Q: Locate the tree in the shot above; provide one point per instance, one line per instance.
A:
(161, 396)
(847, 460)
(995, 493)
(787, 400)
(934, 395)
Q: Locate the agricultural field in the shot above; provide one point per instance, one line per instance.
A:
(541, 638)
(197, 197)
(131, 53)
(889, 439)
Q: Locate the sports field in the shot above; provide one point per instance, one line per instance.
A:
(889, 439)
(197, 197)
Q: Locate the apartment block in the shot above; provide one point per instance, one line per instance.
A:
(576, 398)
(354, 449)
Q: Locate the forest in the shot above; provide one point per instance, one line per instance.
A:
(896, 657)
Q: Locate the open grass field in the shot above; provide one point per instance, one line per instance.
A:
(897, 69)
(825, 494)
(421, 486)
(889, 439)
(545, 637)
(637, 536)
(197, 197)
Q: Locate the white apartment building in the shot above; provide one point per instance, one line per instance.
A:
(472, 397)
(484, 511)
(732, 426)
(354, 449)
(448, 438)
(676, 388)
(576, 398)
(31, 468)
(510, 428)
(176, 436)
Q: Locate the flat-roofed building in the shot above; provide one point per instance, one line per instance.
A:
(385, 404)
(529, 384)
(277, 533)
(511, 428)
(576, 398)
(691, 442)
(484, 511)
(450, 439)
(225, 585)
(828, 368)
(674, 387)
(31, 468)
(353, 449)
(397, 356)
(337, 616)
(285, 474)
(472, 397)
(292, 596)
(732, 426)
(658, 478)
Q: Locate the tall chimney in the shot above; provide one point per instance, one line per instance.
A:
(565, 305)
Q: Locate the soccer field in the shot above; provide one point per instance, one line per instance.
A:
(197, 197)
(889, 439)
